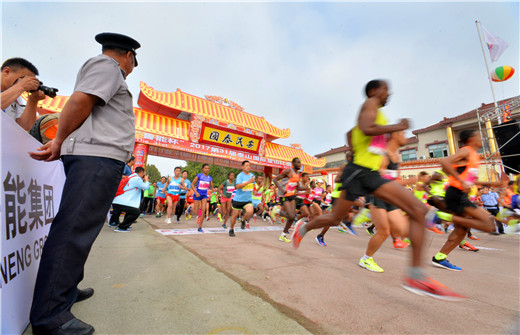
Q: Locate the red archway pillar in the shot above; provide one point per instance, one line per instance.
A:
(140, 154)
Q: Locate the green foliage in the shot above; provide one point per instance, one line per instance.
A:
(153, 172)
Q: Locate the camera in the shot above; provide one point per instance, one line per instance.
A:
(49, 91)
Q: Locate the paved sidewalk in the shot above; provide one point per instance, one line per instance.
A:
(146, 283)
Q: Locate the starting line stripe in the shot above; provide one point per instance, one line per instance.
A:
(193, 231)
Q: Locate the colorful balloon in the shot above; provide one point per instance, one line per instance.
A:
(502, 73)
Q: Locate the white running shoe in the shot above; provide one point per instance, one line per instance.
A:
(168, 220)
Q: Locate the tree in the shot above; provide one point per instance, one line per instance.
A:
(153, 172)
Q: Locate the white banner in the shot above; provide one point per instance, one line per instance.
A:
(30, 197)
(193, 231)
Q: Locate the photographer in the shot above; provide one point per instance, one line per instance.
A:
(18, 76)
(129, 201)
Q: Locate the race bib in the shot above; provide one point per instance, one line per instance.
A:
(203, 185)
(230, 189)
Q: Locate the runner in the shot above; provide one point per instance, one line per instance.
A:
(258, 196)
(189, 203)
(361, 178)
(386, 217)
(243, 198)
(462, 169)
(173, 190)
(181, 206)
(200, 186)
(226, 191)
(286, 190)
(161, 197)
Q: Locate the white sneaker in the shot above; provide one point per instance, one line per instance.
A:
(168, 220)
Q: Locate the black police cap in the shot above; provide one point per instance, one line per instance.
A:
(120, 41)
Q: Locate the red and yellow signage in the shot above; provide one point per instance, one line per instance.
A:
(229, 138)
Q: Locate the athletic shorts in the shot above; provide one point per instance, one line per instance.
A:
(256, 203)
(384, 205)
(289, 198)
(239, 205)
(202, 197)
(300, 203)
(174, 198)
(161, 200)
(224, 199)
(457, 201)
(359, 181)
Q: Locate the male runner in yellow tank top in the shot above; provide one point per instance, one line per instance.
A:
(361, 178)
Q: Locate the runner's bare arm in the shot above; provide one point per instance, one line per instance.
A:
(367, 118)
(166, 184)
(279, 177)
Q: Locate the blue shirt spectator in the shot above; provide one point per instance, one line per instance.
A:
(489, 199)
(132, 195)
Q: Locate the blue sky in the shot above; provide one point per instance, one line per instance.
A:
(300, 65)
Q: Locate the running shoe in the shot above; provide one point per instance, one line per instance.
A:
(468, 247)
(398, 244)
(275, 211)
(435, 230)
(168, 221)
(200, 230)
(445, 264)
(370, 231)
(207, 218)
(343, 230)
(351, 230)
(113, 224)
(284, 238)
(370, 264)
(224, 226)
(407, 241)
(473, 237)
(431, 288)
(231, 233)
(158, 215)
(242, 225)
(320, 241)
(296, 235)
(247, 225)
(141, 215)
(120, 230)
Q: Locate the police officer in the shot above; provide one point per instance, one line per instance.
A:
(96, 136)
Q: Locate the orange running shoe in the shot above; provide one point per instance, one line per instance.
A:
(435, 230)
(431, 288)
(468, 247)
(296, 235)
(473, 237)
(398, 244)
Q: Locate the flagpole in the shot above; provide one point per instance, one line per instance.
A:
(487, 65)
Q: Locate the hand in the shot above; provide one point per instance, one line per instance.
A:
(36, 96)
(252, 180)
(197, 194)
(28, 83)
(146, 178)
(466, 188)
(403, 124)
(47, 152)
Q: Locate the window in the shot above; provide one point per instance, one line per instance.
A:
(409, 155)
(438, 150)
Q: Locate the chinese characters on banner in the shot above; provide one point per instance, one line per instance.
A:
(229, 138)
(30, 198)
(191, 151)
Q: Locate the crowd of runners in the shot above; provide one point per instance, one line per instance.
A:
(368, 191)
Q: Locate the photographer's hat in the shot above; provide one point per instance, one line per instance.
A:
(115, 40)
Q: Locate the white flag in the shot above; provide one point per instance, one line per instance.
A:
(495, 44)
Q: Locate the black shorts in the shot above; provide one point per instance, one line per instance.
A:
(317, 202)
(285, 199)
(384, 205)
(300, 203)
(360, 181)
(457, 201)
(239, 205)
